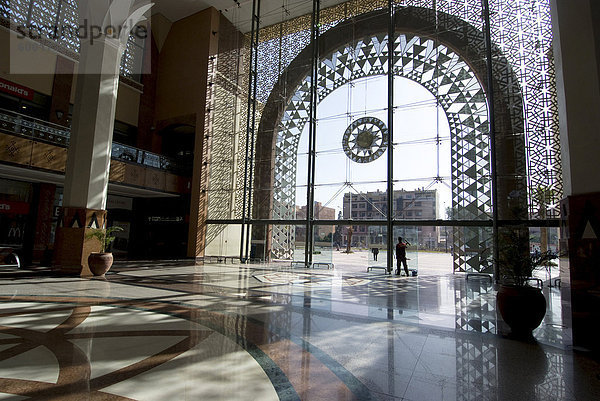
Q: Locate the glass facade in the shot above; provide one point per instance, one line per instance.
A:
(330, 106)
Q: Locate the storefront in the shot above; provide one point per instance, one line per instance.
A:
(15, 199)
(161, 228)
(120, 214)
(23, 100)
(13, 220)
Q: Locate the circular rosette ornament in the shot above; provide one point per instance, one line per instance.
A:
(365, 140)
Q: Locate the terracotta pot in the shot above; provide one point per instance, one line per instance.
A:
(522, 307)
(100, 263)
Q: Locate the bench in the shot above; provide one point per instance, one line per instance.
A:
(480, 275)
(302, 265)
(538, 281)
(379, 267)
(220, 259)
(296, 263)
(323, 264)
(412, 271)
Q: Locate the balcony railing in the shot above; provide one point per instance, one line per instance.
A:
(32, 128)
(44, 131)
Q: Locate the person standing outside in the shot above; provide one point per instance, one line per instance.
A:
(375, 251)
(401, 256)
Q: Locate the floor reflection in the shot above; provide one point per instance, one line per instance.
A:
(256, 332)
(448, 301)
(475, 305)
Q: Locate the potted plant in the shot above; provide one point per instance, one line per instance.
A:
(101, 262)
(521, 305)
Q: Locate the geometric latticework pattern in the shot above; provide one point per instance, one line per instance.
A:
(523, 32)
(427, 62)
(524, 85)
(476, 370)
(58, 21)
(222, 160)
(227, 110)
(365, 140)
(484, 368)
(472, 249)
(5, 9)
(554, 384)
(475, 303)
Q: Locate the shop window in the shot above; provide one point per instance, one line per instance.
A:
(38, 108)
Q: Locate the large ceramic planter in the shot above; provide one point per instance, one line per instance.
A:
(100, 263)
(522, 307)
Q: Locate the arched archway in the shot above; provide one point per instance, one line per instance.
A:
(439, 51)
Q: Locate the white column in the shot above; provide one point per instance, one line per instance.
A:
(578, 90)
(105, 26)
(88, 164)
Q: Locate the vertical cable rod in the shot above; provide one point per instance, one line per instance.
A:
(250, 134)
(390, 160)
(312, 135)
(492, 119)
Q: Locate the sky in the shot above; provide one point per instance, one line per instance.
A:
(418, 121)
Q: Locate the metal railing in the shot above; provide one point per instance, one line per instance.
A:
(32, 128)
(131, 154)
(44, 131)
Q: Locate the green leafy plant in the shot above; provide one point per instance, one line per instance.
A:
(517, 264)
(105, 237)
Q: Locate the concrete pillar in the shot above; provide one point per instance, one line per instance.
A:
(575, 26)
(107, 24)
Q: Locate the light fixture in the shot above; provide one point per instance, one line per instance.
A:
(59, 114)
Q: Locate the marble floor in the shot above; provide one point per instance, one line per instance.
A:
(176, 331)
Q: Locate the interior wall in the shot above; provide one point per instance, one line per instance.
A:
(595, 14)
(181, 92)
(128, 102)
(37, 61)
(575, 26)
(148, 137)
(226, 243)
(44, 59)
(576, 31)
(182, 66)
(61, 92)
(128, 105)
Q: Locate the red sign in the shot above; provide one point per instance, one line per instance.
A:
(7, 207)
(17, 90)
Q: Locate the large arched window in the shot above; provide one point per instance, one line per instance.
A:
(439, 50)
(454, 88)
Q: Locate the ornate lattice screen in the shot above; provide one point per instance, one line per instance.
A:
(442, 72)
(524, 86)
(58, 21)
